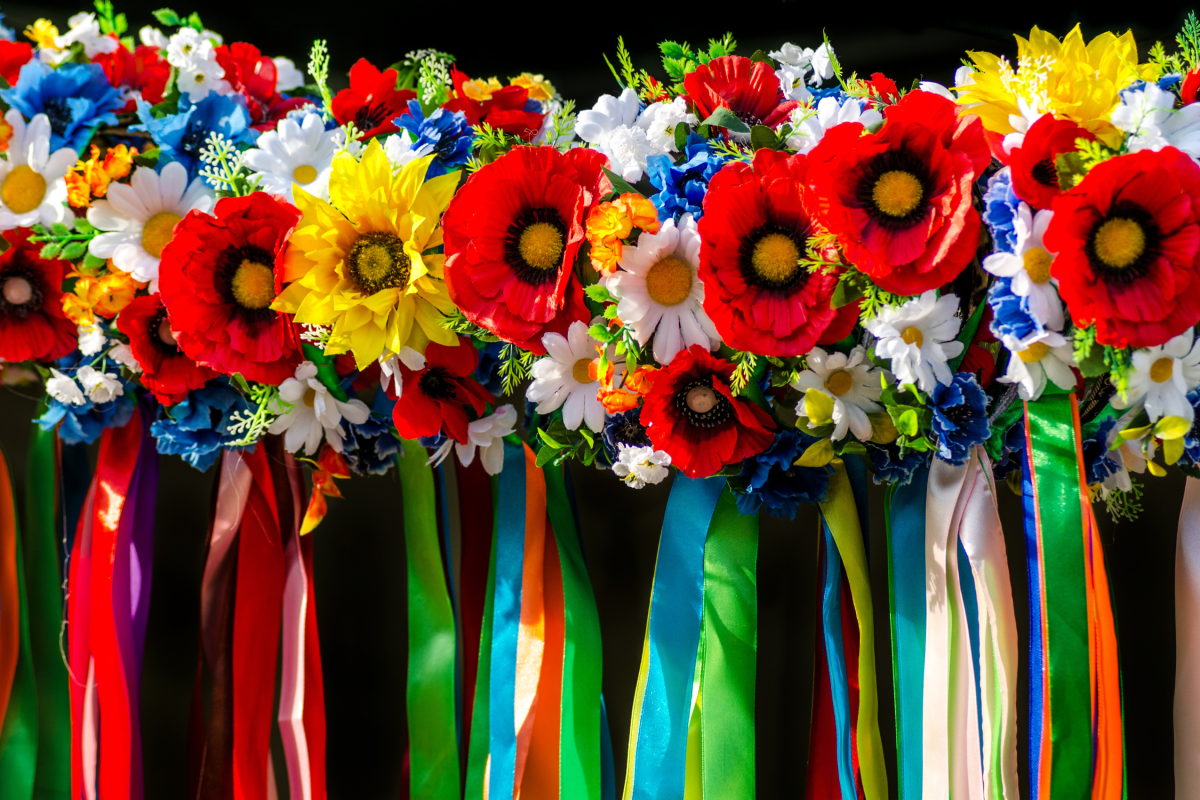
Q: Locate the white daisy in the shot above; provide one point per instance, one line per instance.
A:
(187, 46)
(564, 378)
(85, 29)
(487, 434)
(1050, 357)
(32, 187)
(64, 389)
(1029, 267)
(918, 337)
(809, 126)
(851, 382)
(1161, 377)
(139, 218)
(1149, 116)
(315, 413)
(101, 387)
(793, 55)
(201, 79)
(638, 466)
(296, 152)
(659, 292)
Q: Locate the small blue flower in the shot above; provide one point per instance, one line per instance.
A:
(6, 33)
(1099, 462)
(1000, 205)
(198, 427)
(447, 132)
(370, 448)
(891, 467)
(681, 187)
(776, 481)
(1191, 441)
(1010, 312)
(1012, 451)
(84, 423)
(624, 428)
(959, 417)
(180, 136)
(487, 371)
(76, 98)
(834, 91)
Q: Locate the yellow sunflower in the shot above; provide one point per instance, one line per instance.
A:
(1069, 79)
(362, 262)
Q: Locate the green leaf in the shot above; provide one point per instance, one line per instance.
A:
(853, 448)
(763, 138)
(550, 442)
(194, 22)
(619, 184)
(610, 312)
(681, 136)
(967, 335)
(74, 251)
(58, 229)
(84, 227)
(1070, 169)
(586, 434)
(241, 382)
(759, 55)
(817, 455)
(722, 117)
(600, 333)
(906, 421)
(672, 50)
(167, 17)
(545, 456)
(1093, 366)
(599, 293)
(50, 250)
(846, 293)
(92, 262)
(148, 158)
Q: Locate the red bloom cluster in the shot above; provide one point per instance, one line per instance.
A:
(691, 413)
(505, 109)
(754, 232)
(899, 200)
(254, 77)
(883, 89)
(1127, 244)
(512, 234)
(166, 371)
(218, 278)
(1189, 87)
(13, 56)
(144, 71)
(1034, 164)
(435, 398)
(372, 102)
(32, 322)
(748, 88)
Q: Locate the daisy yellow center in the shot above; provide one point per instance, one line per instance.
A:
(17, 291)
(582, 371)
(776, 258)
(1037, 264)
(377, 261)
(1035, 352)
(541, 246)
(23, 189)
(310, 398)
(839, 382)
(304, 174)
(253, 285)
(897, 193)
(1161, 370)
(912, 335)
(157, 231)
(669, 281)
(1119, 242)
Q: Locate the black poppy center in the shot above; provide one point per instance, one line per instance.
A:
(535, 245)
(369, 117)
(1123, 244)
(377, 261)
(58, 112)
(20, 292)
(894, 189)
(702, 405)
(1045, 173)
(436, 383)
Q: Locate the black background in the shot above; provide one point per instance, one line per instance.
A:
(359, 550)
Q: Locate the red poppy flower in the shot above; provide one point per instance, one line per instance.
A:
(166, 371)
(1034, 165)
(883, 89)
(32, 322)
(13, 56)
(899, 200)
(692, 415)
(144, 71)
(1189, 87)
(434, 399)
(504, 109)
(512, 233)
(1127, 245)
(372, 101)
(753, 234)
(218, 278)
(254, 76)
(748, 88)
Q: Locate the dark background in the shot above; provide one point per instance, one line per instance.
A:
(359, 550)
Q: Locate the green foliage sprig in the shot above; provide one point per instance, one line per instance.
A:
(59, 241)
(318, 69)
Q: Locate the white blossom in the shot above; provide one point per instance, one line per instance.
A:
(638, 466)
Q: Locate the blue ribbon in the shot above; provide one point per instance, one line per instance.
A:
(966, 581)
(1035, 629)
(835, 654)
(676, 605)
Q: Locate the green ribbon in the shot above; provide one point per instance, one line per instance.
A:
(326, 372)
(19, 731)
(432, 638)
(579, 746)
(729, 643)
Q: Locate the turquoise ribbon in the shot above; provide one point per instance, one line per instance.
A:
(835, 653)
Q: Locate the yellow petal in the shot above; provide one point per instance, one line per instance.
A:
(817, 455)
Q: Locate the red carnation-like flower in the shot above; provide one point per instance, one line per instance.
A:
(372, 102)
(899, 200)
(32, 322)
(1189, 87)
(1127, 245)
(254, 76)
(512, 234)
(882, 88)
(504, 109)
(748, 88)
(753, 234)
(13, 56)
(144, 71)
(434, 398)
(692, 415)
(218, 277)
(166, 371)
(1034, 165)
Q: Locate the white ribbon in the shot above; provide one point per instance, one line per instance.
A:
(1187, 646)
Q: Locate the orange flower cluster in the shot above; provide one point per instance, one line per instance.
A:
(6, 133)
(88, 179)
(609, 224)
(633, 386)
(106, 295)
(329, 465)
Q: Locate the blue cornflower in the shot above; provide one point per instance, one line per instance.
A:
(681, 187)
(487, 371)
(447, 132)
(84, 423)
(1191, 441)
(198, 427)
(1100, 464)
(1012, 450)
(180, 136)
(776, 482)
(834, 91)
(624, 428)
(891, 467)
(1010, 312)
(959, 417)
(1000, 205)
(76, 98)
(370, 448)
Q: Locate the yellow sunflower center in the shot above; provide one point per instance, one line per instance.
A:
(377, 261)
(839, 382)
(541, 246)
(253, 285)
(310, 398)
(1037, 264)
(1162, 369)
(23, 189)
(897, 193)
(582, 371)
(304, 174)
(669, 281)
(776, 258)
(1119, 242)
(157, 231)
(1035, 352)
(912, 335)
(17, 291)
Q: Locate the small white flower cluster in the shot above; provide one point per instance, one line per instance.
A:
(97, 386)
(638, 466)
(628, 134)
(1149, 116)
(194, 54)
(84, 30)
(795, 64)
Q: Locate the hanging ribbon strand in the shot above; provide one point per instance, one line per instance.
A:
(1187, 644)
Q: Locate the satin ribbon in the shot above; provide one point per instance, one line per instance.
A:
(18, 691)
(480, 728)
(1187, 645)
(825, 746)
(476, 523)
